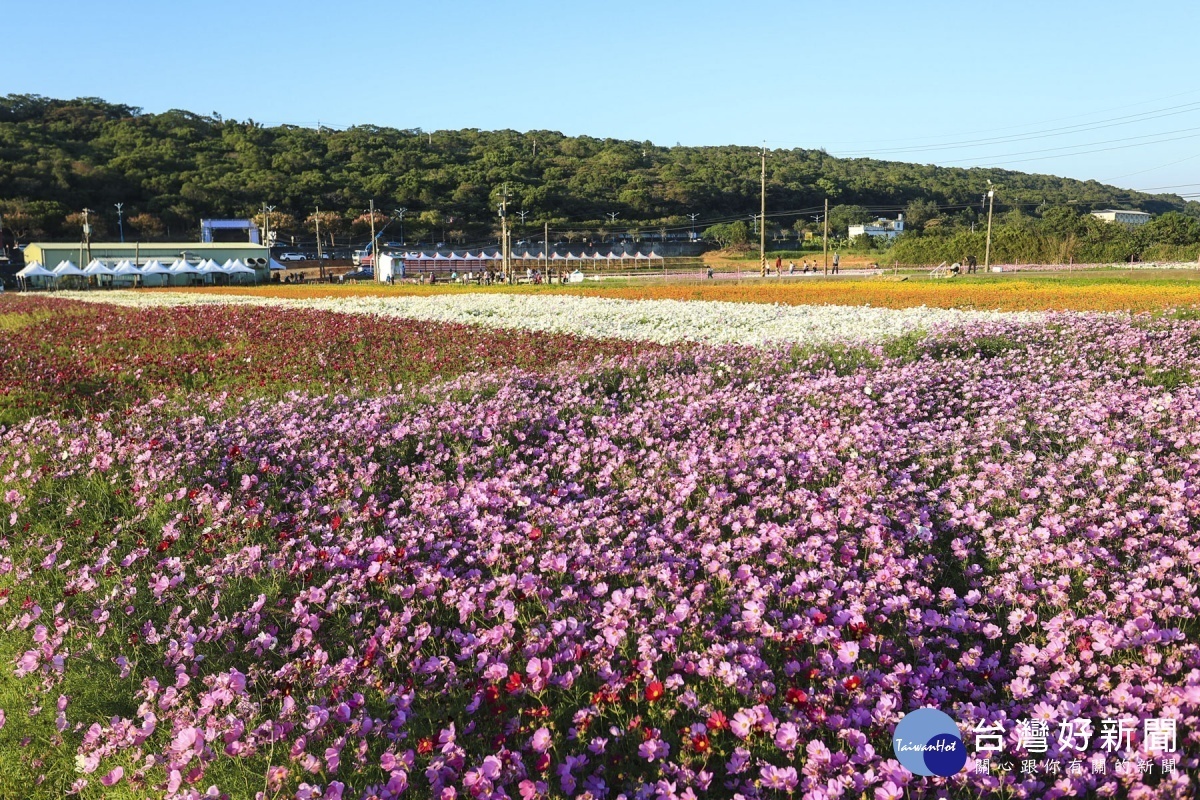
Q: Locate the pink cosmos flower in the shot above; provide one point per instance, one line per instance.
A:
(784, 779)
(541, 740)
(787, 736)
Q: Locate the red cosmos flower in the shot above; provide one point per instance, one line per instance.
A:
(514, 683)
(717, 721)
(858, 629)
(542, 763)
(491, 694)
(796, 697)
(819, 617)
(336, 522)
(700, 743)
(654, 690)
(425, 746)
(814, 673)
(163, 545)
(535, 533)
(852, 683)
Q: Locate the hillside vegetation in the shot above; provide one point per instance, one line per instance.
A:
(172, 169)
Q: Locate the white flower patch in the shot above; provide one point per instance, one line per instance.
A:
(663, 321)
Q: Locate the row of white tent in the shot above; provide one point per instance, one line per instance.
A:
(126, 271)
(528, 256)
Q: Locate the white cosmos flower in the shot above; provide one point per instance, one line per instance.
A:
(662, 321)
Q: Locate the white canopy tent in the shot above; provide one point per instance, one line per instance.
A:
(97, 268)
(126, 274)
(73, 275)
(240, 273)
(66, 268)
(155, 274)
(211, 271)
(34, 274)
(184, 274)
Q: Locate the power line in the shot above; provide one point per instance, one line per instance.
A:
(1087, 152)
(1065, 131)
(1025, 125)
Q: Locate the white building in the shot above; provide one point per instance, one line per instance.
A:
(1130, 218)
(891, 228)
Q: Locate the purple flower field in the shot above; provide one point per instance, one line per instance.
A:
(722, 573)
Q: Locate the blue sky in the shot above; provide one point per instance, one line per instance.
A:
(1098, 89)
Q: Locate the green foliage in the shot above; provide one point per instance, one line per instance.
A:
(172, 169)
(843, 216)
(729, 234)
(1061, 235)
(918, 213)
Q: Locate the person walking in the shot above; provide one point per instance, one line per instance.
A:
(778, 265)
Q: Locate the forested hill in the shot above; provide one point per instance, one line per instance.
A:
(171, 169)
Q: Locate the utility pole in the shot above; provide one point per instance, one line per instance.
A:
(87, 236)
(762, 228)
(374, 249)
(663, 253)
(987, 250)
(317, 220)
(825, 236)
(120, 222)
(546, 251)
(267, 230)
(400, 214)
(693, 219)
(504, 265)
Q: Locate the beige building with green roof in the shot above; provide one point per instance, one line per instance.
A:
(50, 254)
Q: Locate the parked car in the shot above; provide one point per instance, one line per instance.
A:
(359, 275)
(291, 257)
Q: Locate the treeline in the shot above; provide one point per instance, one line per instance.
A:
(169, 170)
(1059, 236)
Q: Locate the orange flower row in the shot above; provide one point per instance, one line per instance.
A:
(1102, 292)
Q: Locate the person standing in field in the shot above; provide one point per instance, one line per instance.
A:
(778, 265)
(836, 260)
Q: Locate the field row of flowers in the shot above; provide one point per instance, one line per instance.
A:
(1191, 266)
(661, 321)
(719, 572)
(1082, 291)
(62, 355)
